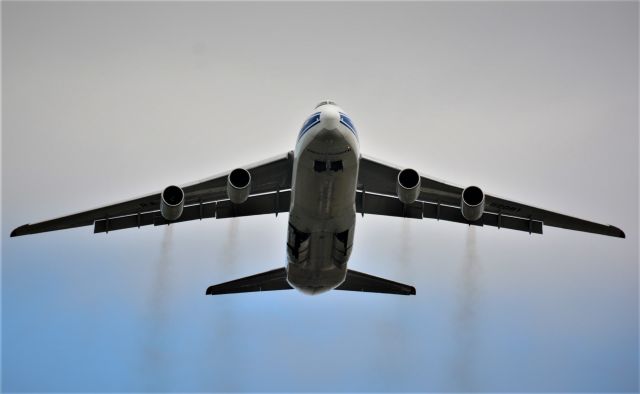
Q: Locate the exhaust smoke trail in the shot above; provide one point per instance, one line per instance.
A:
(465, 321)
(405, 244)
(222, 336)
(229, 254)
(393, 338)
(155, 350)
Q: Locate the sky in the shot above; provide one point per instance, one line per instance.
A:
(533, 101)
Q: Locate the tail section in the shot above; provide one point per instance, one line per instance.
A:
(277, 280)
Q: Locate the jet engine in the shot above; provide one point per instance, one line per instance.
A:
(238, 185)
(472, 203)
(171, 202)
(408, 185)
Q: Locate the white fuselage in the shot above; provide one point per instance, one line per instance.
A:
(323, 191)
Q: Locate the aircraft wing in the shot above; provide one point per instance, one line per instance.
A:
(207, 198)
(441, 200)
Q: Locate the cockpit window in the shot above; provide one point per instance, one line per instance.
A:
(325, 102)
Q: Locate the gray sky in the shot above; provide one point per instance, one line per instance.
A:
(537, 102)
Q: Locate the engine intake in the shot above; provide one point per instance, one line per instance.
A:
(408, 185)
(472, 203)
(171, 202)
(238, 185)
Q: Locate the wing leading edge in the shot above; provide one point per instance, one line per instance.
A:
(380, 178)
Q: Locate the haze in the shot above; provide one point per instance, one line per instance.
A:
(534, 101)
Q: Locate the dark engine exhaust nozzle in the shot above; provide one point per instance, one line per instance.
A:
(238, 185)
(472, 203)
(171, 202)
(408, 185)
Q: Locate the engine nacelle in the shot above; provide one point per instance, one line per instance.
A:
(408, 185)
(472, 203)
(171, 202)
(238, 185)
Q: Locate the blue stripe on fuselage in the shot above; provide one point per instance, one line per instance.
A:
(315, 119)
(345, 120)
(312, 121)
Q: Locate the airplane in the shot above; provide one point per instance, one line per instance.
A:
(322, 184)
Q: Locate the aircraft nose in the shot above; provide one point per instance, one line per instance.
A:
(329, 118)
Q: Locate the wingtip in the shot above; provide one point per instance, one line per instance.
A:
(412, 291)
(19, 231)
(617, 232)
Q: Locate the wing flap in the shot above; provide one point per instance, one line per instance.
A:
(384, 205)
(454, 214)
(192, 212)
(554, 219)
(270, 203)
(390, 206)
(256, 205)
(122, 222)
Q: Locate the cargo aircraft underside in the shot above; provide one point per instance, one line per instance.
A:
(322, 184)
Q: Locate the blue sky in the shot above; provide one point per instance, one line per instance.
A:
(536, 102)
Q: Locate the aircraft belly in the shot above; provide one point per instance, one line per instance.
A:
(322, 214)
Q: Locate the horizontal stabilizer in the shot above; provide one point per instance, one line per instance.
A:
(277, 280)
(358, 281)
(265, 281)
